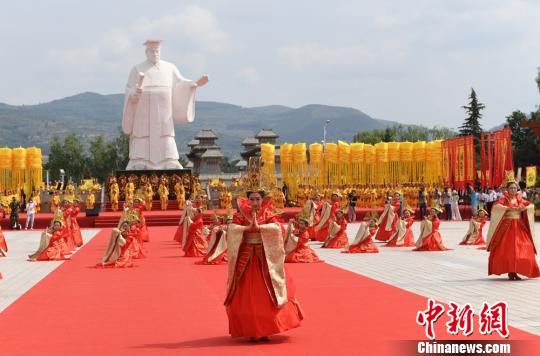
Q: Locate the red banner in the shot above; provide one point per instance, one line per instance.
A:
(459, 161)
(496, 157)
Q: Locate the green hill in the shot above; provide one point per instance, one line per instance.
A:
(91, 114)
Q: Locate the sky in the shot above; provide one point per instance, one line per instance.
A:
(409, 61)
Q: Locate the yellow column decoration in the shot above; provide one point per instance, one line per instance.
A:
(285, 154)
(344, 152)
(316, 165)
(393, 163)
(419, 158)
(268, 170)
(300, 164)
(18, 166)
(405, 162)
(5, 168)
(357, 163)
(331, 166)
(34, 170)
(381, 158)
(369, 158)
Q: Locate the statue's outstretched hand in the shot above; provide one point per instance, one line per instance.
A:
(202, 80)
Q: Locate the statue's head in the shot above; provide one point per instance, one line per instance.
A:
(153, 50)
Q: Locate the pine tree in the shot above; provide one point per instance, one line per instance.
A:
(472, 126)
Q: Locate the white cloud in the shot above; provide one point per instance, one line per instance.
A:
(248, 74)
(195, 24)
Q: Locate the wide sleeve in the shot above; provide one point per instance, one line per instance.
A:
(129, 106)
(183, 98)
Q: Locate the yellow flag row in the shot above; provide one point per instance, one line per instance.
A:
(20, 168)
(360, 164)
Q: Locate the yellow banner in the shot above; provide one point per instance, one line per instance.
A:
(530, 174)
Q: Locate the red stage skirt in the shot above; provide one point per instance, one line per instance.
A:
(322, 234)
(512, 250)
(408, 240)
(432, 242)
(196, 246)
(382, 234)
(145, 236)
(3, 244)
(76, 233)
(302, 254)
(339, 241)
(366, 246)
(251, 311)
(179, 233)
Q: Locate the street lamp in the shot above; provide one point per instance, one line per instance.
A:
(324, 134)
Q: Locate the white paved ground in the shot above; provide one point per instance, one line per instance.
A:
(459, 275)
(19, 274)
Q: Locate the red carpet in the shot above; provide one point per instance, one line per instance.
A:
(169, 305)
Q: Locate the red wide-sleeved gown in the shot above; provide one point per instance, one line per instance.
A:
(259, 303)
(196, 243)
(388, 221)
(510, 240)
(302, 253)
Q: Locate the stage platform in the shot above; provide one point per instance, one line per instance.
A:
(170, 217)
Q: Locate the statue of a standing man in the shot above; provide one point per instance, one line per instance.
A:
(157, 97)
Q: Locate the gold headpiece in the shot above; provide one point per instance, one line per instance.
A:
(58, 217)
(509, 178)
(251, 181)
(409, 209)
(306, 218)
(138, 196)
(484, 210)
(130, 216)
(230, 215)
(437, 209)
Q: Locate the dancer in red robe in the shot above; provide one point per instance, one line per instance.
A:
(3, 244)
(119, 250)
(474, 235)
(328, 214)
(337, 233)
(52, 243)
(196, 243)
(67, 210)
(183, 225)
(318, 203)
(403, 237)
(510, 241)
(75, 230)
(217, 246)
(389, 219)
(138, 204)
(135, 229)
(430, 238)
(363, 242)
(296, 243)
(260, 295)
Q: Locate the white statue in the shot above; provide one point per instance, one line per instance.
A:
(157, 97)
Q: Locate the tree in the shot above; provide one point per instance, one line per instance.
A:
(75, 158)
(56, 158)
(524, 142)
(121, 145)
(103, 158)
(471, 125)
(400, 133)
(68, 156)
